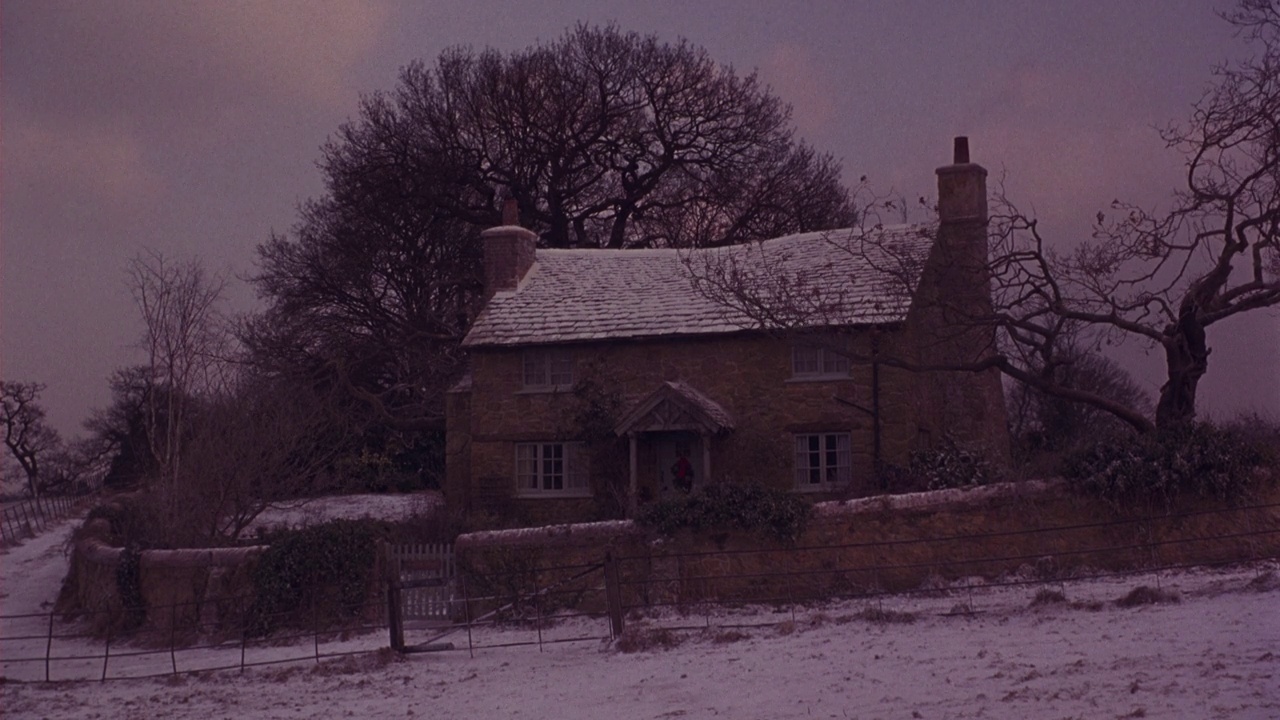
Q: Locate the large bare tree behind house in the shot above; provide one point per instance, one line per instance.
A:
(1160, 277)
(600, 138)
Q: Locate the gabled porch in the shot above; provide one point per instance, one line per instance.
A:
(674, 426)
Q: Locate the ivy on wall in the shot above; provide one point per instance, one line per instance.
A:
(317, 573)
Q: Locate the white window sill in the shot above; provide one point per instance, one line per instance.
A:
(552, 494)
(834, 377)
(544, 389)
(821, 488)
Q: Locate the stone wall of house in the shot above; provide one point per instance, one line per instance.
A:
(1033, 531)
(747, 374)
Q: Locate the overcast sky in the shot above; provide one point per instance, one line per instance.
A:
(193, 129)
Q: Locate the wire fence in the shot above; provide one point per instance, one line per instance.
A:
(49, 646)
(567, 610)
(27, 517)
(712, 584)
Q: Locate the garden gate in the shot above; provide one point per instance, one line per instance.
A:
(425, 572)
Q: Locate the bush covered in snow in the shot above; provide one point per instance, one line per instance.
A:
(1200, 460)
(949, 464)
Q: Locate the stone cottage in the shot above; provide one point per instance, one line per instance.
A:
(604, 379)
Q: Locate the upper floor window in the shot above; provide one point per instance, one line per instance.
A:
(547, 368)
(817, 362)
(823, 461)
(546, 469)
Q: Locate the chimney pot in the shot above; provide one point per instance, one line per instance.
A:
(962, 187)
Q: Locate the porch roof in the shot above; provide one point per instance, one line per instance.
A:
(676, 405)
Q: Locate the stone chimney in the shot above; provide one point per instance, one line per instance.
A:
(508, 252)
(962, 235)
(951, 316)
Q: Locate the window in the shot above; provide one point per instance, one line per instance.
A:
(816, 362)
(822, 461)
(544, 469)
(546, 369)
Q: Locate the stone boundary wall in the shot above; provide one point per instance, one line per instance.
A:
(1031, 530)
(210, 588)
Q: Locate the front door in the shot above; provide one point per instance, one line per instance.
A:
(680, 467)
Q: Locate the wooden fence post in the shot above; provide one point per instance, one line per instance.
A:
(613, 593)
(395, 622)
(48, 648)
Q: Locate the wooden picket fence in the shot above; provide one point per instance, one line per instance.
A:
(426, 571)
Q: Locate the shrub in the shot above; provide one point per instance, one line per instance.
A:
(1199, 459)
(134, 519)
(729, 506)
(325, 569)
(951, 464)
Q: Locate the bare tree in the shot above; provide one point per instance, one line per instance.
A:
(118, 435)
(1163, 278)
(1040, 422)
(186, 343)
(253, 444)
(609, 139)
(603, 138)
(26, 434)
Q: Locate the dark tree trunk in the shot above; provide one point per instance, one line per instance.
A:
(1186, 359)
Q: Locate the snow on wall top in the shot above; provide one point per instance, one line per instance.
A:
(815, 279)
(834, 510)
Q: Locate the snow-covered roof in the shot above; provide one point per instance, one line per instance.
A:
(815, 279)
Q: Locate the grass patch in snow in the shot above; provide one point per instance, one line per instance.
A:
(1266, 582)
(638, 639)
(1045, 596)
(880, 616)
(728, 635)
(1147, 595)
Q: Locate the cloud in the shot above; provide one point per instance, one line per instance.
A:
(795, 77)
(93, 165)
(167, 62)
(299, 47)
(1071, 146)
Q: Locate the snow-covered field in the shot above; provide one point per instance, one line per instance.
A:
(1213, 654)
(351, 507)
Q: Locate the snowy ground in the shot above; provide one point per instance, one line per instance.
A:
(316, 510)
(1213, 654)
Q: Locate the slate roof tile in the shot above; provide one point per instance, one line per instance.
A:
(839, 277)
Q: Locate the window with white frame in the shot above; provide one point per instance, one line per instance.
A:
(551, 468)
(817, 362)
(547, 368)
(823, 461)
